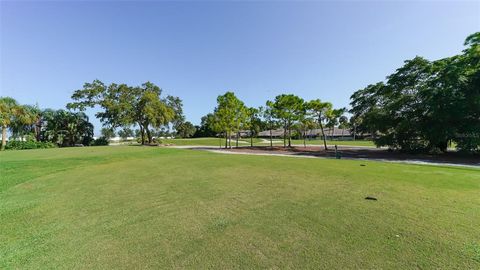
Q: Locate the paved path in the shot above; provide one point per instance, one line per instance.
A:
(216, 149)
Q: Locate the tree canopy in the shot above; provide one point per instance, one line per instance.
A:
(424, 104)
(124, 105)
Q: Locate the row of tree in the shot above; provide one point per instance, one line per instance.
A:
(288, 111)
(26, 122)
(425, 105)
(121, 107)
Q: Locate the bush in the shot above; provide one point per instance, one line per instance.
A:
(100, 141)
(20, 145)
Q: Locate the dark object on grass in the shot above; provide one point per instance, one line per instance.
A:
(363, 165)
(370, 198)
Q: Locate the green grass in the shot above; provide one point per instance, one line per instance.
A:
(208, 141)
(148, 207)
(258, 141)
(331, 142)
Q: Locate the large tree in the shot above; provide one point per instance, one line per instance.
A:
(185, 129)
(26, 123)
(253, 123)
(66, 128)
(123, 105)
(205, 129)
(229, 115)
(425, 104)
(178, 117)
(288, 109)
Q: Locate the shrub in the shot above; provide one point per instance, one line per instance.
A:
(20, 145)
(100, 141)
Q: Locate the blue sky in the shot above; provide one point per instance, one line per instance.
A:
(198, 50)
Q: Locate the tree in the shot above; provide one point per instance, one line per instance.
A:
(9, 110)
(343, 123)
(269, 116)
(205, 127)
(124, 105)
(287, 108)
(26, 123)
(320, 110)
(150, 109)
(108, 133)
(66, 128)
(253, 122)
(306, 122)
(177, 105)
(333, 118)
(126, 132)
(229, 115)
(185, 130)
(425, 104)
(353, 123)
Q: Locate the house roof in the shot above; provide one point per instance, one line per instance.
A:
(312, 132)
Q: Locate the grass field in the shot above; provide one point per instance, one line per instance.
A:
(207, 141)
(148, 207)
(258, 141)
(330, 142)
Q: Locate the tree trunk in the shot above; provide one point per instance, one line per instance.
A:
(271, 140)
(149, 135)
(72, 139)
(142, 133)
(236, 141)
(230, 140)
(226, 139)
(285, 135)
(289, 135)
(4, 137)
(354, 132)
(251, 138)
(323, 134)
(304, 135)
(37, 130)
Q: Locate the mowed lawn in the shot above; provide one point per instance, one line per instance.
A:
(208, 141)
(131, 207)
(334, 142)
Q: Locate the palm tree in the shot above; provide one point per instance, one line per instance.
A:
(9, 110)
(26, 122)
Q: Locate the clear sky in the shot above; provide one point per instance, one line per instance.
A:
(198, 50)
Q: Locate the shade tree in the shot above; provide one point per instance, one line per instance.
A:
(287, 108)
(424, 105)
(123, 105)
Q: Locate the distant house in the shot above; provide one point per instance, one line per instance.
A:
(242, 133)
(335, 133)
(276, 133)
(119, 139)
